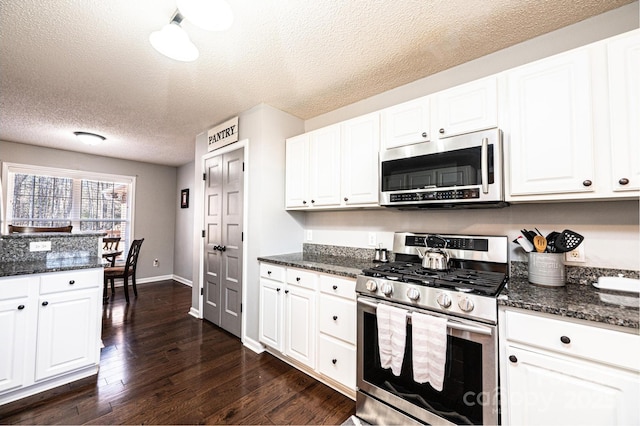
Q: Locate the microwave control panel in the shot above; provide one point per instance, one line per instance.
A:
(453, 194)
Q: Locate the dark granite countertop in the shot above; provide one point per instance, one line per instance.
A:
(34, 235)
(8, 269)
(336, 265)
(579, 301)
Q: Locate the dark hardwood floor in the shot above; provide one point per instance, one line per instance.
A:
(162, 366)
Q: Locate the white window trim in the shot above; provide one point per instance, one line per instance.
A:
(69, 173)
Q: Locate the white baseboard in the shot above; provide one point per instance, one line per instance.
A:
(182, 280)
(195, 313)
(254, 345)
(154, 279)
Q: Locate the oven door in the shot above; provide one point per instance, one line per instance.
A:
(470, 390)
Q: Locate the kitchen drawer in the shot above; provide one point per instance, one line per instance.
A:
(74, 280)
(338, 318)
(342, 287)
(13, 288)
(585, 341)
(302, 278)
(273, 272)
(337, 360)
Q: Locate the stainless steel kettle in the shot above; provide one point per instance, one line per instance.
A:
(433, 257)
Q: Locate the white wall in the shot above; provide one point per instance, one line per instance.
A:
(155, 197)
(611, 229)
(183, 239)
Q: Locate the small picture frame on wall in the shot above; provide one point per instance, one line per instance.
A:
(184, 198)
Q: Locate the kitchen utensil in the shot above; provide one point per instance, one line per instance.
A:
(551, 241)
(528, 235)
(383, 255)
(524, 243)
(568, 240)
(540, 243)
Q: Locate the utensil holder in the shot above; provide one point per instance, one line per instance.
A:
(547, 269)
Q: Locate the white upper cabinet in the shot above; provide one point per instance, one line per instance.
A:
(324, 166)
(360, 148)
(407, 123)
(624, 106)
(297, 173)
(467, 108)
(550, 126)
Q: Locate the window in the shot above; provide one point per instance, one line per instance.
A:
(38, 196)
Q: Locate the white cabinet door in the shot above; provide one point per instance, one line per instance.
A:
(271, 313)
(324, 166)
(406, 124)
(467, 108)
(14, 315)
(67, 337)
(360, 147)
(624, 98)
(549, 390)
(300, 325)
(297, 172)
(551, 131)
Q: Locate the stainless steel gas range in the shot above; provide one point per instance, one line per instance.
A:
(464, 292)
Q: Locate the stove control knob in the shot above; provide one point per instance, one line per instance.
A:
(443, 300)
(413, 294)
(371, 285)
(387, 289)
(466, 304)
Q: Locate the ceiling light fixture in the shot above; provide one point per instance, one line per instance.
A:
(174, 42)
(89, 138)
(210, 15)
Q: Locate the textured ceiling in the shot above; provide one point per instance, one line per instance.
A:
(87, 65)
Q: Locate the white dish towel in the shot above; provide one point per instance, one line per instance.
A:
(392, 334)
(429, 337)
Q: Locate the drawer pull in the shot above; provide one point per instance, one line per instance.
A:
(335, 318)
(298, 279)
(623, 181)
(335, 287)
(565, 340)
(278, 289)
(441, 131)
(72, 282)
(268, 272)
(286, 292)
(45, 303)
(20, 307)
(587, 183)
(424, 134)
(513, 358)
(334, 361)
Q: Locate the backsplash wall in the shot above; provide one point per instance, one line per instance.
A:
(611, 228)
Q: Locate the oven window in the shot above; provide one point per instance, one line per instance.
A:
(452, 168)
(458, 400)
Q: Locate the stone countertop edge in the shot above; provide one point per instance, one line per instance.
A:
(577, 301)
(8, 269)
(54, 234)
(335, 265)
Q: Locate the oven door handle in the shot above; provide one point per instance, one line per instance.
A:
(450, 324)
(484, 165)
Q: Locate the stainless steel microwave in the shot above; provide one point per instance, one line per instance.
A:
(461, 171)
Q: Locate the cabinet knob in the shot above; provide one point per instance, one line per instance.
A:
(587, 183)
(623, 181)
(335, 318)
(304, 202)
(565, 340)
(346, 199)
(313, 201)
(335, 287)
(45, 303)
(268, 272)
(441, 131)
(278, 289)
(513, 358)
(298, 279)
(424, 134)
(286, 292)
(72, 282)
(20, 307)
(334, 361)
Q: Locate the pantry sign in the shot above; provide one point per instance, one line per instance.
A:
(223, 134)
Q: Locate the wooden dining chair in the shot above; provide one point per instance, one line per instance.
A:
(110, 243)
(124, 271)
(13, 229)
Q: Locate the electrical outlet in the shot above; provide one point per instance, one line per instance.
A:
(156, 263)
(576, 255)
(40, 246)
(372, 239)
(309, 235)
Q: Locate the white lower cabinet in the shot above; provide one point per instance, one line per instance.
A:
(50, 326)
(309, 320)
(566, 372)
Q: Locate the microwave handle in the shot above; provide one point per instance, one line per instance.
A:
(484, 165)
